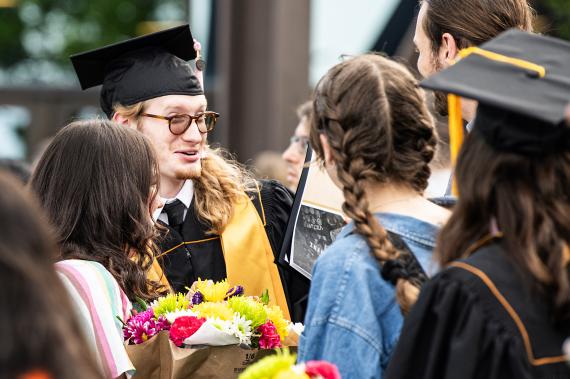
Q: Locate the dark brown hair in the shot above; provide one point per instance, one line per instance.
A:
(379, 130)
(39, 330)
(473, 22)
(528, 198)
(94, 181)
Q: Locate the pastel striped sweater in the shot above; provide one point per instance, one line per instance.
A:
(98, 301)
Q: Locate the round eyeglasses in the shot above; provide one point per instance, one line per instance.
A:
(179, 123)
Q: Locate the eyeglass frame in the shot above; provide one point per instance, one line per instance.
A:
(302, 142)
(192, 118)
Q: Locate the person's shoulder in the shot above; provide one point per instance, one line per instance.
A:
(270, 189)
(84, 270)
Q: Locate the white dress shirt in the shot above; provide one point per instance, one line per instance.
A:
(184, 195)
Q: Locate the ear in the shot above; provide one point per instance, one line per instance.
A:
(448, 51)
(326, 149)
(122, 120)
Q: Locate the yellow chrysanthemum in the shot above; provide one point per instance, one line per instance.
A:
(275, 314)
(249, 308)
(271, 366)
(213, 310)
(290, 374)
(213, 291)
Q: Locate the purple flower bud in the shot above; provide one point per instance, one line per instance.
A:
(234, 291)
(197, 298)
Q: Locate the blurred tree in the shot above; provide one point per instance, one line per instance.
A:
(40, 35)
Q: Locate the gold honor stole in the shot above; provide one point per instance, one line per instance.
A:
(249, 257)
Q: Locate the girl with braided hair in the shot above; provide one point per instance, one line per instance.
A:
(374, 134)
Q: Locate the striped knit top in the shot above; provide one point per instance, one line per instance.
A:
(98, 301)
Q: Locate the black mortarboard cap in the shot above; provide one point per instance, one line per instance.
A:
(141, 68)
(522, 83)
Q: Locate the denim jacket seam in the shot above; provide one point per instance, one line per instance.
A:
(407, 234)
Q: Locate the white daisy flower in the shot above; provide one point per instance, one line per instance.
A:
(241, 328)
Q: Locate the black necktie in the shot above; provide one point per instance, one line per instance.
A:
(175, 213)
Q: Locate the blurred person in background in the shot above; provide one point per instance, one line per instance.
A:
(372, 130)
(98, 185)
(41, 337)
(295, 153)
(220, 222)
(270, 165)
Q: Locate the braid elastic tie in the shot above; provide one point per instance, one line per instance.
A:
(394, 269)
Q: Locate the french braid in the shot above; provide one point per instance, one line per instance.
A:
(379, 130)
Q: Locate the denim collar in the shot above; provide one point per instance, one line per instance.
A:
(407, 227)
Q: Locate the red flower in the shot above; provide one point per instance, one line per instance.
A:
(269, 337)
(183, 327)
(322, 369)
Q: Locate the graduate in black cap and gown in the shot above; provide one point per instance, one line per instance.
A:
(221, 223)
(501, 306)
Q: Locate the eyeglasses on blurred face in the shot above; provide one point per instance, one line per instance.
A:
(300, 142)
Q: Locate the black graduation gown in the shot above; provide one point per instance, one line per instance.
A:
(195, 254)
(466, 325)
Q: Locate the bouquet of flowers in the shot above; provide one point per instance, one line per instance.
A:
(282, 366)
(210, 314)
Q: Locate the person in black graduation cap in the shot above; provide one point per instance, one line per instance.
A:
(501, 308)
(221, 223)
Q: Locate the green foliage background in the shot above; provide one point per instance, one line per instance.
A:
(559, 14)
(52, 30)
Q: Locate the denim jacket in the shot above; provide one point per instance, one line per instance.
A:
(353, 319)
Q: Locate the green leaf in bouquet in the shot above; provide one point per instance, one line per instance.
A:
(141, 305)
(265, 297)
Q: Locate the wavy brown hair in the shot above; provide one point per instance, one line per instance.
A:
(379, 130)
(40, 331)
(528, 198)
(94, 182)
(473, 22)
(223, 181)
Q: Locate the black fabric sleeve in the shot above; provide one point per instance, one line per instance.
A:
(277, 204)
(447, 335)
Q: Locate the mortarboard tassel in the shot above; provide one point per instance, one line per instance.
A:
(454, 101)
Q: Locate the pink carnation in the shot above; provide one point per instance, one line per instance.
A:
(143, 326)
(183, 327)
(321, 369)
(269, 337)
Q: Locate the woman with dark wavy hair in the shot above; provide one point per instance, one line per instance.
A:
(98, 184)
(41, 338)
(375, 136)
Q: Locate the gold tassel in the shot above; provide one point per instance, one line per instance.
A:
(455, 133)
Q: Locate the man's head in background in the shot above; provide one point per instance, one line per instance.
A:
(446, 26)
(295, 153)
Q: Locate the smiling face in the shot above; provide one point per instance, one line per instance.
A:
(179, 156)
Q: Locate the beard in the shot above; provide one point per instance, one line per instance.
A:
(192, 172)
(440, 103)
